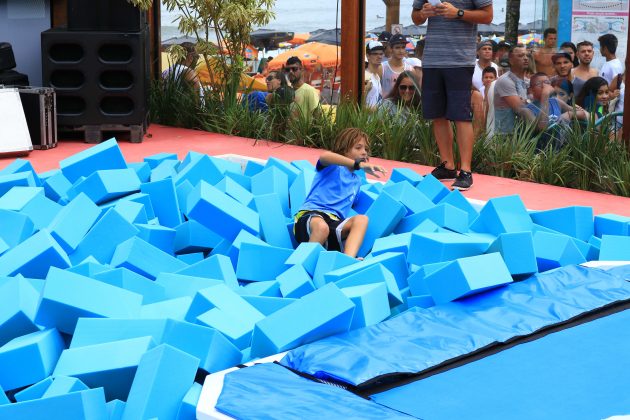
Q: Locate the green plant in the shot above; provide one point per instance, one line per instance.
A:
(174, 101)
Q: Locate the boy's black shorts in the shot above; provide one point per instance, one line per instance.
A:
(446, 93)
(302, 229)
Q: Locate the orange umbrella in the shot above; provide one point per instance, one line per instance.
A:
(299, 39)
(311, 54)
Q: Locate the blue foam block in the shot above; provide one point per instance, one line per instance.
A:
(269, 288)
(132, 211)
(115, 409)
(21, 179)
(192, 236)
(273, 180)
(409, 196)
(171, 308)
(236, 191)
(165, 202)
(432, 188)
(375, 273)
(595, 245)
(300, 188)
(18, 304)
(88, 404)
(517, 250)
(364, 200)
(421, 301)
(64, 385)
(467, 276)
(188, 408)
(183, 190)
(142, 170)
(92, 331)
(444, 215)
(575, 221)
(456, 198)
(237, 330)
(33, 257)
(267, 305)
(392, 243)
(107, 185)
(503, 215)
(220, 213)
(150, 291)
(225, 299)
(252, 168)
(15, 227)
(161, 237)
(57, 186)
(166, 169)
(30, 358)
(191, 258)
(32, 202)
(234, 247)
(417, 286)
(21, 165)
(106, 155)
(289, 169)
(179, 285)
(295, 282)
(68, 296)
(612, 224)
(74, 221)
(18, 197)
(555, 250)
(145, 259)
(306, 255)
(213, 267)
(156, 159)
(615, 248)
(163, 378)
(261, 262)
(384, 214)
(35, 391)
(271, 220)
(324, 312)
(371, 304)
(329, 261)
(110, 365)
(395, 262)
(101, 241)
(201, 169)
(427, 248)
(3, 397)
(406, 174)
(142, 198)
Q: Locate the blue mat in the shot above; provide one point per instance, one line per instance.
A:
(578, 373)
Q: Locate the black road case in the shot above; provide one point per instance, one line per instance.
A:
(40, 109)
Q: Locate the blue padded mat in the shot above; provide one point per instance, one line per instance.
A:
(577, 373)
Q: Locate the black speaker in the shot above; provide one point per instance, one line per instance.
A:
(13, 78)
(7, 59)
(105, 15)
(99, 77)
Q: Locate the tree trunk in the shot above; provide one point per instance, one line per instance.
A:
(392, 15)
(512, 17)
(552, 13)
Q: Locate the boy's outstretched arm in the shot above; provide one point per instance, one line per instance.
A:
(328, 158)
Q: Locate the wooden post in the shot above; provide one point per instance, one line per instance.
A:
(552, 13)
(353, 49)
(625, 133)
(392, 15)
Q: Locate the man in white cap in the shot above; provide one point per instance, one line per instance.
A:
(374, 52)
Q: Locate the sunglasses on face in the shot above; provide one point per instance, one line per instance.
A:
(292, 69)
(405, 88)
(543, 82)
(269, 79)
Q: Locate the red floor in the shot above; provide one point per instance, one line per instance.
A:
(180, 141)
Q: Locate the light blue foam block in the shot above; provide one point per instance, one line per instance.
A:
(156, 159)
(595, 246)
(191, 258)
(201, 169)
(180, 285)
(32, 202)
(18, 304)
(20, 179)
(57, 186)
(271, 220)
(74, 221)
(417, 285)
(68, 296)
(410, 197)
(35, 391)
(142, 170)
(110, 365)
(503, 215)
(221, 213)
(237, 330)
(225, 299)
(192, 236)
(106, 155)
(102, 239)
(395, 262)
(444, 215)
(371, 304)
(273, 180)
(432, 188)
(15, 227)
(92, 331)
(427, 248)
(421, 301)
(161, 237)
(364, 200)
(329, 261)
(234, 247)
(517, 250)
(467, 276)
(406, 174)
(106, 185)
(612, 224)
(306, 255)
(615, 248)
(188, 408)
(171, 308)
(150, 291)
(252, 168)
(64, 385)
(3, 397)
(115, 409)
(575, 221)
(295, 282)
(132, 211)
(555, 250)
(392, 243)
(33, 257)
(243, 180)
(289, 169)
(300, 188)
(18, 197)
(456, 198)
(371, 274)
(182, 191)
(88, 404)
(145, 259)
(324, 312)
(166, 169)
(261, 262)
(236, 191)
(213, 267)
(30, 358)
(267, 305)
(270, 288)
(21, 165)
(163, 378)
(165, 202)
(384, 214)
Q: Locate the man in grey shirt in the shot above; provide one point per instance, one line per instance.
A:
(448, 66)
(510, 92)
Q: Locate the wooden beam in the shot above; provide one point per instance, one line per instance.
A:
(392, 14)
(352, 49)
(625, 133)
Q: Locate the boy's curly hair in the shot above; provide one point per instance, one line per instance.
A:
(347, 138)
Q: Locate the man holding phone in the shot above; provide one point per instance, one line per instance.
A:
(448, 66)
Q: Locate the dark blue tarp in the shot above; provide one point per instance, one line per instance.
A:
(423, 338)
(578, 373)
(270, 391)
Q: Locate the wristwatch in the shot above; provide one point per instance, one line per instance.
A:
(357, 164)
(460, 13)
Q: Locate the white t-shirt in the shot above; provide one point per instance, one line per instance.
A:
(390, 76)
(610, 69)
(373, 96)
(490, 110)
(477, 79)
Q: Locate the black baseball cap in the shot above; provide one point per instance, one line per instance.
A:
(384, 36)
(484, 44)
(504, 44)
(561, 55)
(397, 39)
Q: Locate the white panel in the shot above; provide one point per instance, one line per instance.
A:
(14, 135)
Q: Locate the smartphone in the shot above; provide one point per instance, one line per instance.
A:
(435, 3)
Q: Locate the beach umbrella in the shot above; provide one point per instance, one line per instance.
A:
(410, 46)
(299, 39)
(268, 39)
(530, 38)
(330, 36)
(312, 54)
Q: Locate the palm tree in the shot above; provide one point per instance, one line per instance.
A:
(512, 17)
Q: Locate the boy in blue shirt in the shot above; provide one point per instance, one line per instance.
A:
(323, 216)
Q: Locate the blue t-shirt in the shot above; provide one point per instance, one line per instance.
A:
(256, 101)
(554, 110)
(334, 190)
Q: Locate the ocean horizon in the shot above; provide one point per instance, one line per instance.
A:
(322, 15)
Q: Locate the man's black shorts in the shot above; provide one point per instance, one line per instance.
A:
(302, 229)
(446, 93)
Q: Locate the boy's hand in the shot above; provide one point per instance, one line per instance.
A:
(372, 169)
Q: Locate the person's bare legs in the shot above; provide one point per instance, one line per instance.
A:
(319, 230)
(465, 143)
(354, 232)
(444, 138)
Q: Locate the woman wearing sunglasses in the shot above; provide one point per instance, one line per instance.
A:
(404, 97)
(279, 91)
